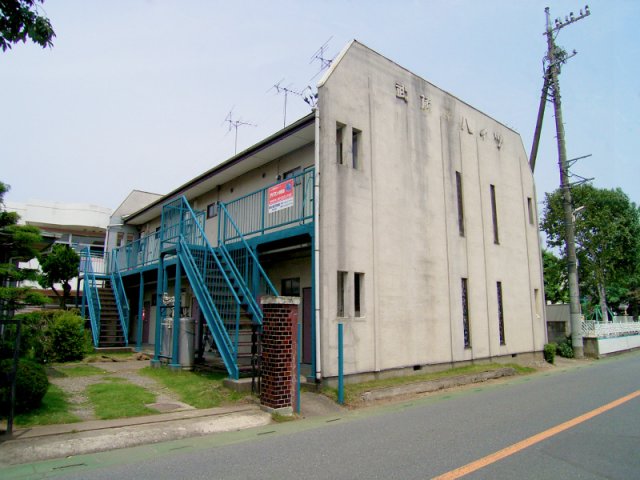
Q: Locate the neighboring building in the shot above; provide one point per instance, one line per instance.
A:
(77, 224)
(118, 233)
(395, 209)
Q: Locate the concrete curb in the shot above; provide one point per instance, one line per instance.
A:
(98, 436)
(435, 385)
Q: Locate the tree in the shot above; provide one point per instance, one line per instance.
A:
(556, 284)
(20, 19)
(59, 266)
(607, 241)
(17, 243)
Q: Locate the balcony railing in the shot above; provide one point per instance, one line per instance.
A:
(278, 206)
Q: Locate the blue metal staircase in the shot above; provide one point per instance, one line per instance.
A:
(105, 299)
(226, 279)
(223, 280)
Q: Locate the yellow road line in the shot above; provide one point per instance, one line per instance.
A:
(527, 442)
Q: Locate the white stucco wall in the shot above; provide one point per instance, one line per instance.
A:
(395, 219)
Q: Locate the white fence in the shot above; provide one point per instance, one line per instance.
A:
(593, 329)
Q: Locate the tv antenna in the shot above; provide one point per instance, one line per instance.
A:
(320, 56)
(235, 124)
(286, 90)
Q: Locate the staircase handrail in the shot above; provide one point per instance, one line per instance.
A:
(251, 301)
(241, 238)
(229, 353)
(93, 298)
(121, 298)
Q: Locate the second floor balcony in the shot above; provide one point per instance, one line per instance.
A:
(276, 208)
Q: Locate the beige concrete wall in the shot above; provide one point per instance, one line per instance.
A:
(395, 219)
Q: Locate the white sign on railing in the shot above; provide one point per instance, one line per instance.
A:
(280, 196)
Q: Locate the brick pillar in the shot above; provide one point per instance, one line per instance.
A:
(279, 353)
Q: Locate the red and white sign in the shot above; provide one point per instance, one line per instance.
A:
(280, 196)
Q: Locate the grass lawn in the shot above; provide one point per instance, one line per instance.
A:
(117, 398)
(78, 370)
(199, 389)
(53, 410)
(353, 391)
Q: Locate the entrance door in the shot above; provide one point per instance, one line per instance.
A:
(306, 325)
(146, 314)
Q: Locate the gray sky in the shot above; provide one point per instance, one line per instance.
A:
(134, 93)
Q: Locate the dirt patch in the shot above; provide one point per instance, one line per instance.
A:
(76, 387)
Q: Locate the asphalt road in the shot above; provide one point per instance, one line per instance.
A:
(423, 438)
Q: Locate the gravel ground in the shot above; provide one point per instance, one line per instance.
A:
(166, 401)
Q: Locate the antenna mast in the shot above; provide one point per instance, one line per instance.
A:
(320, 56)
(556, 56)
(235, 124)
(287, 91)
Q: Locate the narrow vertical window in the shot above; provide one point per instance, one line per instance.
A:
(465, 315)
(339, 143)
(500, 314)
(355, 148)
(460, 204)
(530, 209)
(342, 284)
(494, 214)
(358, 297)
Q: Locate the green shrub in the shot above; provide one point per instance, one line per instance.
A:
(48, 336)
(67, 337)
(565, 349)
(34, 338)
(550, 352)
(31, 386)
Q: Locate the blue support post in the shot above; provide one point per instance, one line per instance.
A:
(175, 360)
(313, 306)
(298, 361)
(340, 366)
(140, 313)
(158, 332)
(84, 298)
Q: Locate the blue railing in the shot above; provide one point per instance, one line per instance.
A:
(247, 216)
(259, 212)
(210, 277)
(139, 253)
(91, 297)
(121, 298)
(245, 264)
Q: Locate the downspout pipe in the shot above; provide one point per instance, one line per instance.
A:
(316, 236)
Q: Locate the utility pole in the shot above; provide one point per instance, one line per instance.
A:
(556, 57)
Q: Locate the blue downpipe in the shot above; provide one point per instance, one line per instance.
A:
(340, 366)
(313, 306)
(298, 361)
